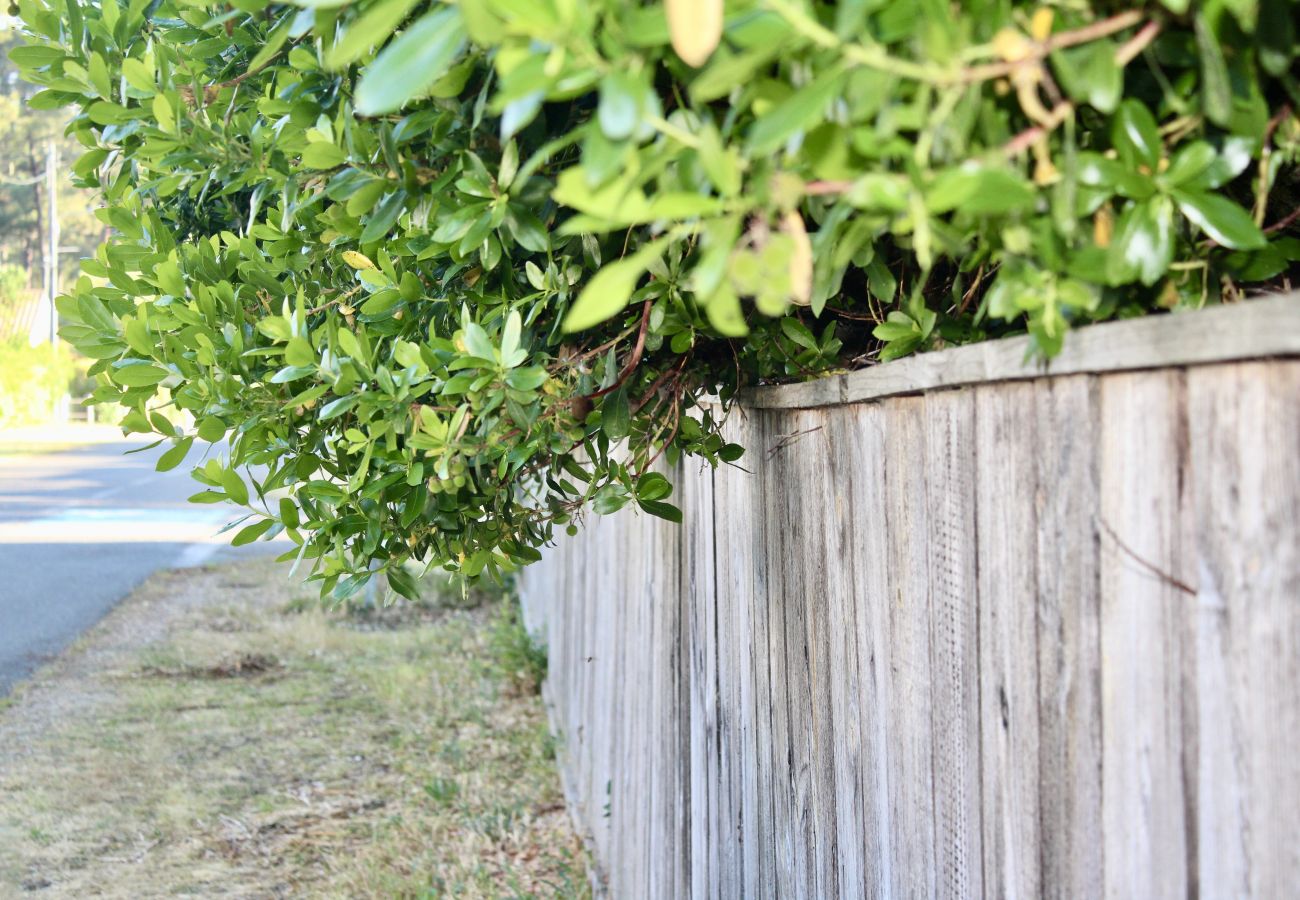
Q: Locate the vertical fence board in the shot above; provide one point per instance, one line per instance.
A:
(910, 734)
(843, 673)
(861, 621)
(814, 578)
(1245, 465)
(949, 465)
(708, 792)
(1143, 801)
(737, 552)
(786, 666)
(1006, 523)
(1069, 655)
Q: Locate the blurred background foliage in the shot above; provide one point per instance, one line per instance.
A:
(453, 273)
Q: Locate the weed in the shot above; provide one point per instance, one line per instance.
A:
(520, 660)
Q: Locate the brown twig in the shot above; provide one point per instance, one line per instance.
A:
(677, 421)
(1042, 49)
(659, 382)
(787, 439)
(1137, 43)
(1282, 223)
(821, 188)
(633, 360)
(1023, 141)
(1151, 567)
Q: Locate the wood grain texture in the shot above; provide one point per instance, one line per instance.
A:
(738, 547)
(949, 467)
(865, 808)
(1144, 802)
(1006, 523)
(909, 733)
(1034, 638)
(1245, 465)
(1069, 653)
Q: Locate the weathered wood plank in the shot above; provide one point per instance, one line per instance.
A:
(737, 546)
(859, 624)
(1144, 806)
(1245, 471)
(814, 577)
(910, 729)
(949, 466)
(767, 645)
(1006, 526)
(1257, 328)
(708, 792)
(786, 607)
(1069, 655)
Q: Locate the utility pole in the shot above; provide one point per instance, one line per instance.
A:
(52, 256)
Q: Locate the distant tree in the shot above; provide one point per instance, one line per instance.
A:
(24, 135)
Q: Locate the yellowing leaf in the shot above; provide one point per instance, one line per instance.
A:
(801, 259)
(1040, 26)
(357, 260)
(695, 27)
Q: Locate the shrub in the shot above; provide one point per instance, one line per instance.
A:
(450, 273)
(32, 381)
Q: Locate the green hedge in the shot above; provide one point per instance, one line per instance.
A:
(454, 272)
(32, 381)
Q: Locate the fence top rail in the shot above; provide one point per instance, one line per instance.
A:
(1254, 329)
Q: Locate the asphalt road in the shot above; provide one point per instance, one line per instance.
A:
(80, 529)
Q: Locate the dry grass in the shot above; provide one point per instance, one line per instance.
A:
(216, 737)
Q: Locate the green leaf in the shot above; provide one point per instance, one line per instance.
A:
(1143, 244)
(250, 533)
(979, 190)
(289, 513)
(234, 486)
(163, 113)
(374, 27)
(1216, 89)
(621, 104)
(274, 41)
(211, 429)
(175, 456)
(323, 155)
(653, 486)
(1090, 74)
(384, 217)
(138, 374)
(725, 313)
(1221, 219)
(139, 76)
(1136, 136)
(662, 510)
(336, 408)
(299, 352)
(1189, 163)
(616, 415)
(797, 112)
(610, 499)
(510, 335)
(609, 290)
(409, 66)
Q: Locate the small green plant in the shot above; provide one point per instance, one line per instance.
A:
(519, 659)
(442, 790)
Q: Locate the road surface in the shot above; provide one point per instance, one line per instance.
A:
(80, 529)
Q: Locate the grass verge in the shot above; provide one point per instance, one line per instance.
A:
(218, 735)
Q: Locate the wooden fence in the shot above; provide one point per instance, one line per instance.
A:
(964, 628)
